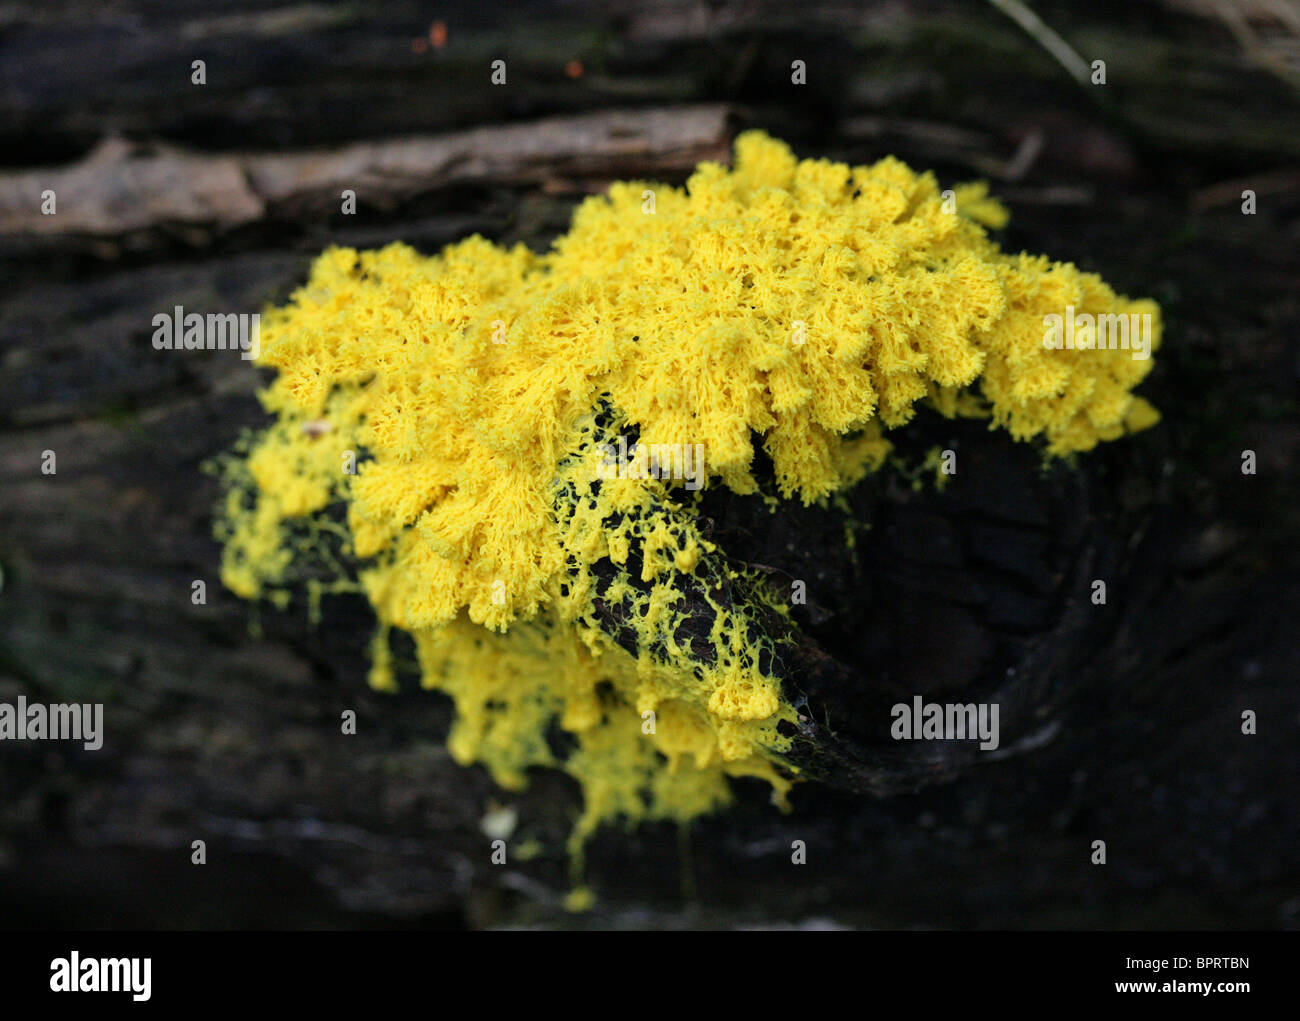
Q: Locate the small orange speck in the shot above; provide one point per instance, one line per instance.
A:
(419, 46)
(438, 34)
(573, 68)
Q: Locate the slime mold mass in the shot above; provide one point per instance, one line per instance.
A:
(441, 429)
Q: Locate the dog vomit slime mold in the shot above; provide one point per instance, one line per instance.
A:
(443, 418)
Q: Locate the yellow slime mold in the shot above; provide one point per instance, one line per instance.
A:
(807, 306)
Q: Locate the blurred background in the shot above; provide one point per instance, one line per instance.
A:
(222, 720)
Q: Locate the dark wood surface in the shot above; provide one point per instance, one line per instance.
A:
(223, 720)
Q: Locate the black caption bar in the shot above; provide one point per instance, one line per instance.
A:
(165, 971)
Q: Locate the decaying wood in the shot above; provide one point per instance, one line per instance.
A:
(121, 189)
(223, 720)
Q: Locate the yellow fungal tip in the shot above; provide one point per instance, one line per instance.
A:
(579, 899)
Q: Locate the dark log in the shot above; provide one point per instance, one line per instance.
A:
(1122, 722)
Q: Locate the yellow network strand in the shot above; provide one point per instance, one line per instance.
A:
(807, 306)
